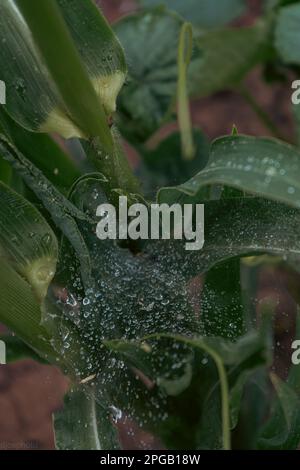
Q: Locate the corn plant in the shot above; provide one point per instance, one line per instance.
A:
(170, 341)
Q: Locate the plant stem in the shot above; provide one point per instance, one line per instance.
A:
(261, 113)
(113, 166)
(184, 118)
(56, 46)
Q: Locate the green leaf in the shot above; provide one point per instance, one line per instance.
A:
(67, 102)
(203, 13)
(5, 171)
(83, 425)
(234, 228)
(28, 254)
(261, 166)
(145, 101)
(222, 312)
(62, 211)
(20, 311)
(165, 165)
(225, 57)
(16, 350)
(287, 34)
(99, 49)
(27, 241)
(42, 151)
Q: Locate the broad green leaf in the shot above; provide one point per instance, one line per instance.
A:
(203, 13)
(42, 151)
(83, 425)
(287, 35)
(261, 166)
(221, 306)
(27, 242)
(145, 101)
(65, 103)
(17, 350)
(226, 56)
(165, 166)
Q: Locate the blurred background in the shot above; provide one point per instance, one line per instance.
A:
(30, 392)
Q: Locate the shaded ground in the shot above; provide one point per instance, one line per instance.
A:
(30, 392)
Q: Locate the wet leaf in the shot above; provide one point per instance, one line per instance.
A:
(26, 241)
(63, 213)
(20, 311)
(260, 166)
(189, 375)
(234, 228)
(50, 104)
(221, 306)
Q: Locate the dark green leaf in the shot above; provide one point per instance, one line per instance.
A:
(226, 56)
(20, 311)
(27, 241)
(165, 166)
(144, 103)
(234, 228)
(63, 213)
(260, 166)
(16, 350)
(221, 306)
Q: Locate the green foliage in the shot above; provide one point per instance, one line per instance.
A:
(172, 340)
